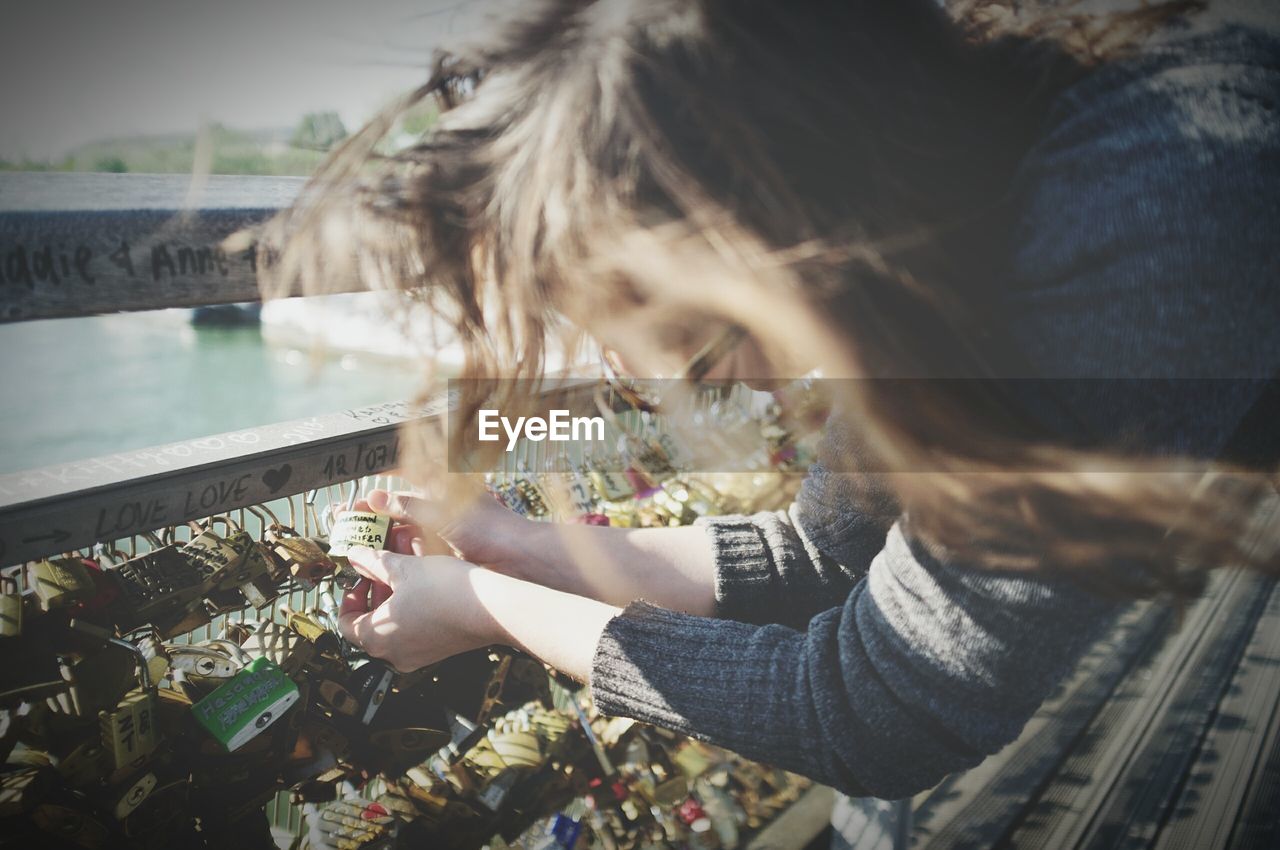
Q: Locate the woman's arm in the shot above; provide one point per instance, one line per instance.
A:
(769, 567)
(413, 611)
(673, 567)
(926, 668)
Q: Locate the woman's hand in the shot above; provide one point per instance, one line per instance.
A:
(412, 611)
(483, 532)
(674, 567)
(437, 607)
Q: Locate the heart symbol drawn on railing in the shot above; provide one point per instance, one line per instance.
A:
(277, 478)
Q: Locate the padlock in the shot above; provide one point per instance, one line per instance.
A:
(370, 683)
(87, 764)
(317, 735)
(355, 528)
(325, 654)
(509, 496)
(237, 633)
(96, 682)
(235, 568)
(160, 585)
(163, 820)
(569, 495)
(11, 605)
(536, 503)
(240, 710)
(338, 698)
(351, 822)
(417, 742)
(10, 612)
(611, 486)
(214, 555)
(182, 621)
(124, 797)
(61, 583)
(358, 528)
(202, 668)
(157, 656)
(129, 730)
(306, 625)
(493, 688)
(282, 646)
(693, 758)
(495, 792)
(303, 558)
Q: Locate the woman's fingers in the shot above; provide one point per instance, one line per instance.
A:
(376, 564)
(403, 538)
(355, 600)
(354, 607)
(370, 629)
(364, 596)
(379, 594)
(406, 507)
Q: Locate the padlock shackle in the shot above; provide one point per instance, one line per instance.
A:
(259, 511)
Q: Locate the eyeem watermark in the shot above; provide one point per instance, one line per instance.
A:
(558, 427)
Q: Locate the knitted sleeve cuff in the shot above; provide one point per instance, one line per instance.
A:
(745, 574)
(658, 666)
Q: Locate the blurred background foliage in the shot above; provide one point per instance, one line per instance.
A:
(280, 151)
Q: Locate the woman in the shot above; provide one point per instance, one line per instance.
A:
(870, 189)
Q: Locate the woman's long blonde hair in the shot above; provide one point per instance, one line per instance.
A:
(827, 176)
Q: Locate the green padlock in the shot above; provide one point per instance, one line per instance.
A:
(240, 710)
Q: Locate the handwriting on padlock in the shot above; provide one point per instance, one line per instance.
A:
(242, 708)
(358, 528)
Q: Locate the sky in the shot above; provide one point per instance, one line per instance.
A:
(73, 71)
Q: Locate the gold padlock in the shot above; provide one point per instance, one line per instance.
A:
(126, 796)
(215, 556)
(235, 567)
(158, 587)
(535, 500)
(11, 605)
(338, 698)
(307, 626)
(61, 583)
(129, 731)
(301, 557)
(86, 765)
(612, 486)
(95, 682)
(282, 645)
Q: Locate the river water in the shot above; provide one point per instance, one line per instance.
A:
(79, 388)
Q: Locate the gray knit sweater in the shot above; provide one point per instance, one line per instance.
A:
(1145, 245)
